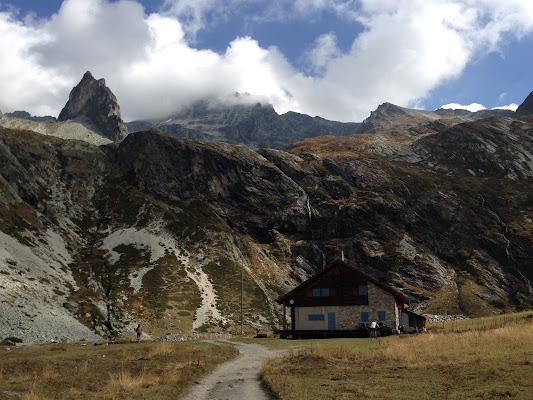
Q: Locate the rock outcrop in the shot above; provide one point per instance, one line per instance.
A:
(388, 116)
(526, 108)
(260, 126)
(93, 100)
(254, 125)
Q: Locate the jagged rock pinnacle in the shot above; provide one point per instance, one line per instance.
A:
(526, 108)
(92, 99)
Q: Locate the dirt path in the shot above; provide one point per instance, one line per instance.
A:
(236, 379)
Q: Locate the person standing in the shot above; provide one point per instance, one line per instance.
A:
(373, 329)
(139, 331)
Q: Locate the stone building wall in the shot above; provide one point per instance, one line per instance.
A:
(349, 317)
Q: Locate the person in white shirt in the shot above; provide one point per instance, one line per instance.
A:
(373, 329)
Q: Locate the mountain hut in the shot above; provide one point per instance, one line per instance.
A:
(341, 301)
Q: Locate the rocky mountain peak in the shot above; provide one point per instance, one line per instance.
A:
(388, 108)
(526, 108)
(389, 115)
(93, 100)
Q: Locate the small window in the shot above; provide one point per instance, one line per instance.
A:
(364, 316)
(382, 315)
(363, 290)
(316, 317)
(320, 292)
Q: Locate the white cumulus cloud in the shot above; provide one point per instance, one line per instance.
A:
(512, 107)
(407, 49)
(471, 107)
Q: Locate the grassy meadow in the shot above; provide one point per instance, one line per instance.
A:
(485, 358)
(489, 359)
(122, 371)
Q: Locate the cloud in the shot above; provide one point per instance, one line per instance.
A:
(85, 33)
(477, 107)
(24, 83)
(173, 75)
(195, 15)
(323, 51)
(512, 107)
(407, 49)
(472, 107)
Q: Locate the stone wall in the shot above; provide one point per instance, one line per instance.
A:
(349, 317)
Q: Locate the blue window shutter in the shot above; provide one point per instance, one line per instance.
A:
(332, 324)
(382, 315)
(364, 316)
(315, 317)
(363, 290)
(316, 292)
(325, 292)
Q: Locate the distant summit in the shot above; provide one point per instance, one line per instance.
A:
(254, 125)
(93, 100)
(29, 117)
(526, 108)
(388, 116)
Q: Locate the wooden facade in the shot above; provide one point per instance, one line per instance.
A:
(340, 298)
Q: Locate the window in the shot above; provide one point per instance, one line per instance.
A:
(363, 290)
(381, 315)
(364, 316)
(320, 292)
(315, 317)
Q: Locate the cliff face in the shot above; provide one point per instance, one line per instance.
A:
(259, 126)
(526, 108)
(93, 100)
(157, 228)
(256, 126)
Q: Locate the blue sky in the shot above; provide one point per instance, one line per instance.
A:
(338, 59)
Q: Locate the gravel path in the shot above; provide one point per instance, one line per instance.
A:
(236, 379)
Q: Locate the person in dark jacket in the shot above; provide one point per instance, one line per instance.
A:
(139, 331)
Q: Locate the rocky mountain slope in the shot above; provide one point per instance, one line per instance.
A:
(256, 126)
(160, 229)
(157, 228)
(259, 126)
(78, 129)
(389, 116)
(28, 116)
(526, 108)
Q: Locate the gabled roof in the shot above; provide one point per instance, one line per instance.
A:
(341, 263)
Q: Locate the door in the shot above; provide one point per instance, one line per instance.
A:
(332, 325)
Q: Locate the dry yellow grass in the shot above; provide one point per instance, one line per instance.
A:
(145, 371)
(480, 364)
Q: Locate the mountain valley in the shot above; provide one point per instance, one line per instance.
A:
(100, 233)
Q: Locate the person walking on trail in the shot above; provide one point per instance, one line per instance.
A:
(373, 329)
(139, 331)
